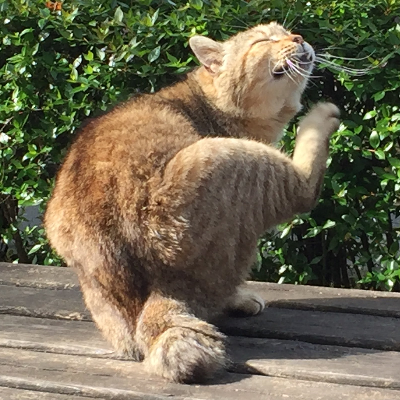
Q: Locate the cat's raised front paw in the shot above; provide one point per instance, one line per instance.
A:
(322, 119)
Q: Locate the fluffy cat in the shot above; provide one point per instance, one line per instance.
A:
(159, 203)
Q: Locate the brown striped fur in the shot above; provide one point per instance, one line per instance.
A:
(159, 203)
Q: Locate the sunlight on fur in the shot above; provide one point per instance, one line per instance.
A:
(159, 204)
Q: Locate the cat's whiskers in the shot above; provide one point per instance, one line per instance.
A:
(295, 68)
(246, 24)
(286, 17)
(304, 72)
(323, 59)
(287, 72)
(300, 71)
(292, 24)
(327, 55)
(270, 70)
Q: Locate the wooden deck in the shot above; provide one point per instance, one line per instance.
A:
(310, 343)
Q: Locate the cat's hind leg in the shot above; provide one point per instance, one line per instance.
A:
(115, 299)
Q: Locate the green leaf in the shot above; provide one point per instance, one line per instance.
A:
(197, 4)
(329, 224)
(380, 154)
(374, 139)
(154, 54)
(370, 114)
(286, 231)
(394, 248)
(88, 56)
(101, 54)
(118, 15)
(349, 219)
(74, 74)
(42, 23)
(379, 96)
(155, 16)
(316, 260)
(34, 249)
(313, 232)
(395, 162)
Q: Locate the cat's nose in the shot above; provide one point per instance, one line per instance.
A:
(296, 38)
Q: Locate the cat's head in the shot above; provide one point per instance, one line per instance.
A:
(265, 66)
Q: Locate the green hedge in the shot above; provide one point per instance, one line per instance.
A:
(58, 68)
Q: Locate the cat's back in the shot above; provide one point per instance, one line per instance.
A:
(116, 161)
(139, 135)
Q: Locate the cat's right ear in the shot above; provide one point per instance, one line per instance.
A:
(208, 52)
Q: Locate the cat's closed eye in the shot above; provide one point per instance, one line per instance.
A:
(265, 39)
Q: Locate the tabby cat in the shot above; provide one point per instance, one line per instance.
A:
(159, 203)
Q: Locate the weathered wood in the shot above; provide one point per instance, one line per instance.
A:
(46, 303)
(289, 359)
(290, 351)
(39, 276)
(17, 394)
(380, 333)
(73, 375)
(49, 335)
(342, 329)
(320, 363)
(279, 296)
(329, 299)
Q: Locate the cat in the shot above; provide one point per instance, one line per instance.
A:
(159, 203)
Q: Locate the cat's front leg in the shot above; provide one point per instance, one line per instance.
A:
(245, 303)
(312, 149)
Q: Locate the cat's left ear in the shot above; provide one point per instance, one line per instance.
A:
(208, 52)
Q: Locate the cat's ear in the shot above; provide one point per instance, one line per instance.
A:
(208, 52)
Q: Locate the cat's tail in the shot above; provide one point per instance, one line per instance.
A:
(177, 345)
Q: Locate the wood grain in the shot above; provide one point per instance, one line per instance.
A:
(18, 394)
(342, 329)
(74, 375)
(39, 276)
(311, 343)
(277, 296)
(288, 359)
(45, 303)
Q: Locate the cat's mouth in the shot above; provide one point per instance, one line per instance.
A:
(299, 64)
(280, 71)
(305, 60)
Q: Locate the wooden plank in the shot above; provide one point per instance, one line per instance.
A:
(17, 394)
(329, 299)
(46, 303)
(74, 375)
(355, 330)
(38, 276)
(319, 363)
(278, 296)
(57, 336)
(317, 327)
(288, 359)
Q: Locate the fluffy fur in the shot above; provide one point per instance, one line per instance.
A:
(159, 203)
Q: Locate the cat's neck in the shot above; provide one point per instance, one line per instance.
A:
(261, 120)
(212, 115)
